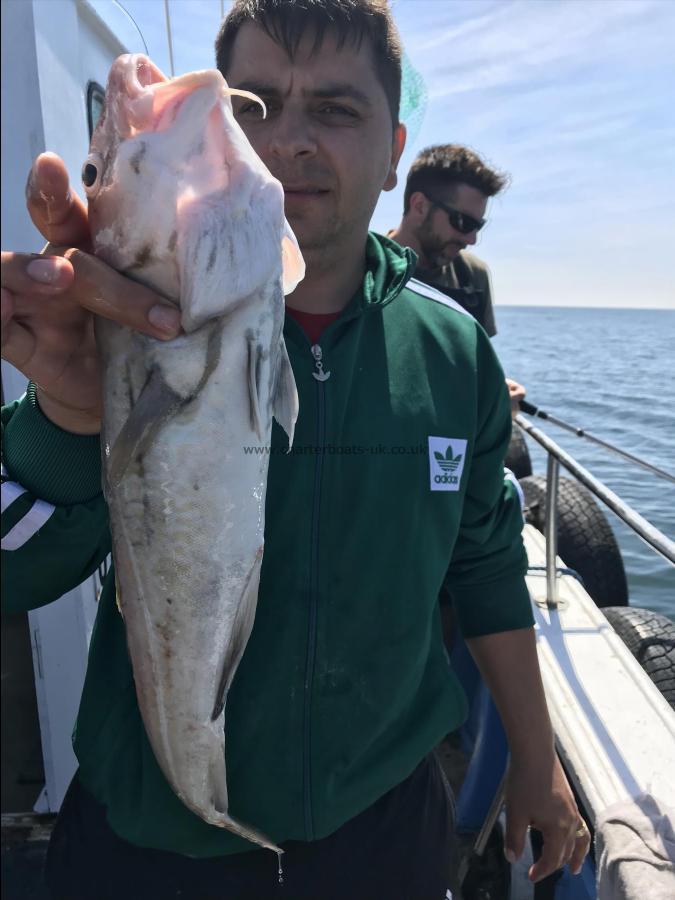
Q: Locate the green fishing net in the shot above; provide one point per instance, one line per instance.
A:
(414, 99)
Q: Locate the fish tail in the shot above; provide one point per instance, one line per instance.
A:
(250, 834)
(220, 815)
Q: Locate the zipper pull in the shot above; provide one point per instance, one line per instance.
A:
(320, 375)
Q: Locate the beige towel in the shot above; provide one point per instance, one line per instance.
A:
(635, 851)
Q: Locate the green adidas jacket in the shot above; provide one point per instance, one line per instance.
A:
(394, 491)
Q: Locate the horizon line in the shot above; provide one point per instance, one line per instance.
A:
(584, 306)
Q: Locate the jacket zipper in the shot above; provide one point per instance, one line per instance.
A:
(320, 377)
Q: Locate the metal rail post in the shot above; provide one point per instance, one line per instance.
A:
(551, 531)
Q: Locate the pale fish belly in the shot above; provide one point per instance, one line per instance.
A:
(187, 519)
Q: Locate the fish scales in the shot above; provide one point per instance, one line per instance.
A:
(179, 201)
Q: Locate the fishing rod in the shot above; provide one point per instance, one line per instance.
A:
(533, 410)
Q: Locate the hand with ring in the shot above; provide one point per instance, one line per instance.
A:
(566, 837)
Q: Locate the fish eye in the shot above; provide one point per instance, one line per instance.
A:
(91, 175)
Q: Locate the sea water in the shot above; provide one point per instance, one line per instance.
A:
(610, 372)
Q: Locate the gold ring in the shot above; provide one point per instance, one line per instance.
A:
(581, 831)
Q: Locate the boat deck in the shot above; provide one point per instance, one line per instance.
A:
(607, 714)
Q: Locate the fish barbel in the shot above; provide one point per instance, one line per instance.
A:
(179, 201)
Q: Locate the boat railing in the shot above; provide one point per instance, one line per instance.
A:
(556, 457)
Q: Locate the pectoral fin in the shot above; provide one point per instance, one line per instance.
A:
(285, 400)
(156, 404)
(253, 367)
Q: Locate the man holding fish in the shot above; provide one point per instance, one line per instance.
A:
(393, 487)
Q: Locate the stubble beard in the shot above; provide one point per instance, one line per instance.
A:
(317, 237)
(431, 245)
(329, 242)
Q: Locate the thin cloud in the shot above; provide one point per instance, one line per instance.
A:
(514, 42)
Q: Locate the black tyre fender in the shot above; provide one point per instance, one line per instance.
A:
(650, 637)
(518, 456)
(586, 542)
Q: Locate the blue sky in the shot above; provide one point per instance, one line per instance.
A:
(574, 98)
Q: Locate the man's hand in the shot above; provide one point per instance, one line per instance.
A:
(516, 394)
(48, 301)
(538, 795)
(537, 792)
(57, 213)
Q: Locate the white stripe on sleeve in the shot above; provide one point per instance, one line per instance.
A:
(509, 476)
(29, 525)
(10, 492)
(432, 293)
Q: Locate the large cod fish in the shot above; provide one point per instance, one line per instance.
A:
(179, 201)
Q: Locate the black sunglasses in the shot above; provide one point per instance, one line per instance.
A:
(459, 220)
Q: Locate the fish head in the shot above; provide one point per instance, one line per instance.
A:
(178, 198)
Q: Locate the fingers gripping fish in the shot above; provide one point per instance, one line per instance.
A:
(178, 200)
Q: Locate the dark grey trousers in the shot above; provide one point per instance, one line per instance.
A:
(401, 848)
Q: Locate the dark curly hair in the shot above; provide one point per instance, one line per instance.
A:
(445, 165)
(286, 21)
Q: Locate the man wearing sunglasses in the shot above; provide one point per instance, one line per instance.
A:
(444, 205)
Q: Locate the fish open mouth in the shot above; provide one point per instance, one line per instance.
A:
(150, 101)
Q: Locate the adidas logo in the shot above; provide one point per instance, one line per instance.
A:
(446, 463)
